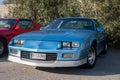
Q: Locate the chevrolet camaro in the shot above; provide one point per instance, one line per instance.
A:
(63, 42)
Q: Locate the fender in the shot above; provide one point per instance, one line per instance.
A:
(92, 40)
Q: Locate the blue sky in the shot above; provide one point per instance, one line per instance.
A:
(1, 1)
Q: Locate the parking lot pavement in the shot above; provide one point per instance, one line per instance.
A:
(107, 68)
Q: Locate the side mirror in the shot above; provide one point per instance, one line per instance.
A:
(100, 29)
(18, 28)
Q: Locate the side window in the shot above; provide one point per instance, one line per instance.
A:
(25, 24)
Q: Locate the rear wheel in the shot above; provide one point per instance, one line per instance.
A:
(91, 58)
(2, 47)
(105, 47)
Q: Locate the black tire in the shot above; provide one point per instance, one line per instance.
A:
(104, 48)
(92, 54)
(2, 47)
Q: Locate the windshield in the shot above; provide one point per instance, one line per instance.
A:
(6, 23)
(70, 24)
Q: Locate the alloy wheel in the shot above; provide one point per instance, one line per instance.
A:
(91, 56)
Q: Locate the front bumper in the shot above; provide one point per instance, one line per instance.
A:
(48, 63)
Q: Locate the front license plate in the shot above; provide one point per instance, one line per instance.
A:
(14, 51)
(38, 56)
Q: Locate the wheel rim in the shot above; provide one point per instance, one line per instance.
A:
(91, 56)
(1, 48)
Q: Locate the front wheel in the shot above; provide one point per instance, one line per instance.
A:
(91, 58)
(2, 47)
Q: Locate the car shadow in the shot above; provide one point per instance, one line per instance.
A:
(106, 65)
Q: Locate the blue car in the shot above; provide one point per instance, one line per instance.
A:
(64, 42)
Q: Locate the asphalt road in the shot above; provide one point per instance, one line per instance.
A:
(107, 68)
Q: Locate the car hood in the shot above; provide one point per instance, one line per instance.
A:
(56, 35)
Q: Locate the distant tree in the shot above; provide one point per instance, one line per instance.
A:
(41, 10)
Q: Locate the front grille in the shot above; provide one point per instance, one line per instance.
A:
(49, 56)
(25, 55)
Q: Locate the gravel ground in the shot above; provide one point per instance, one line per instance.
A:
(107, 68)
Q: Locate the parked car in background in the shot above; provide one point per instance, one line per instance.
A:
(64, 42)
(12, 27)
